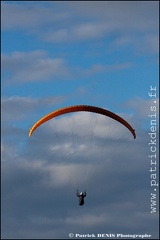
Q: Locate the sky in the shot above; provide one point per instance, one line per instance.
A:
(62, 53)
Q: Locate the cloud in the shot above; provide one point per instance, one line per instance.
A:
(33, 66)
(32, 15)
(151, 44)
(38, 192)
(99, 68)
(87, 219)
(77, 32)
(123, 22)
(113, 14)
(41, 196)
(40, 174)
(57, 36)
(36, 66)
(104, 12)
(143, 107)
(16, 108)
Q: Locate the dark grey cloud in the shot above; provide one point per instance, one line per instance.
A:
(39, 182)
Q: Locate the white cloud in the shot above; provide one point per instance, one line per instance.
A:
(36, 66)
(33, 66)
(143, 107)
(85, 124)
(18, 108)
(60, 22)
(56, 36)
(88, 31)
(98, 68)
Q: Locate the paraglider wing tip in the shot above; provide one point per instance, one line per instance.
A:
(30, 133)
(134, 134)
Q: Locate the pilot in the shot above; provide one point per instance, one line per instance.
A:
(81, 196)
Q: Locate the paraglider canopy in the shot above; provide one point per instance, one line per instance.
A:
(78, 108)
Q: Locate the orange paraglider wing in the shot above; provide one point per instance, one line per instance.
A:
(78, 108)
